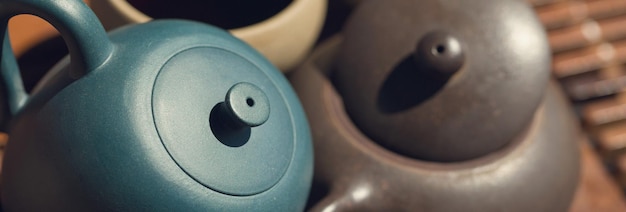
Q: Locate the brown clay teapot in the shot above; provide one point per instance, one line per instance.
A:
(438, 105)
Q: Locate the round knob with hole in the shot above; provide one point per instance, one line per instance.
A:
(247, 105)
(439, 54)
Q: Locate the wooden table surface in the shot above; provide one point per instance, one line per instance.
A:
(597, 190)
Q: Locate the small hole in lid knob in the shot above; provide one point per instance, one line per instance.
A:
(440, 54)
(250, 102)
(440, 49)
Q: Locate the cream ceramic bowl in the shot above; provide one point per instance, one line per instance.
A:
(284, 38)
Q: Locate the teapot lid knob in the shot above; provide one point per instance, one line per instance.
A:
(440, 54)
(247, 105)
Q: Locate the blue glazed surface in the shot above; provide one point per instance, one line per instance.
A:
(89, 136)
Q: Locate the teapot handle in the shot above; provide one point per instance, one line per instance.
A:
(86, 40)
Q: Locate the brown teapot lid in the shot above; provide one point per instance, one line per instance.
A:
(443, 80)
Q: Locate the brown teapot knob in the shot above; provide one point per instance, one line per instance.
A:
(440, 54)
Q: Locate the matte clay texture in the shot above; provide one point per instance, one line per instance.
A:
(464, 130)
(354, 173)
(97, 134)
(387, 82)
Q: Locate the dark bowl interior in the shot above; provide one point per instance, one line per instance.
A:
(225, 14)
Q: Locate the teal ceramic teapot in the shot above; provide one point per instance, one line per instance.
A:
(167, 115)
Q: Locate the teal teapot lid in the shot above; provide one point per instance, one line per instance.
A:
(223, 120)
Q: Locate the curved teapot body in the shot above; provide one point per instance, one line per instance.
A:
(439, 105)
(137, 132)
(538, 171)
